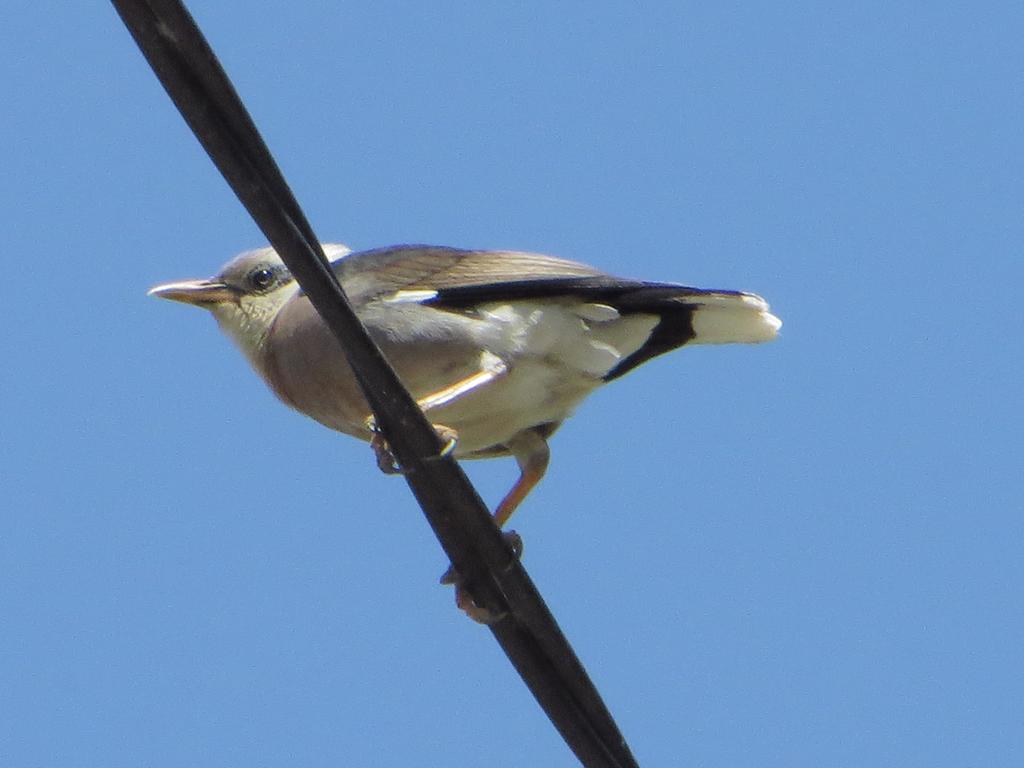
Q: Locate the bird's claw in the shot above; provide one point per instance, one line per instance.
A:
(464, 600)
(513, 539)
(477, 613)
(449, 437)
(386, 460)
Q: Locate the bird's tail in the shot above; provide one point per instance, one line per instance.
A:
(730, 317)
(695, 316)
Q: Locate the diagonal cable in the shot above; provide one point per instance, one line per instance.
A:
(195, 81)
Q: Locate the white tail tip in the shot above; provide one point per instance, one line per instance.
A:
(733, 318)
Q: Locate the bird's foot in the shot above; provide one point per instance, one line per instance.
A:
(449, 439)
(464, 600)
(386, 460)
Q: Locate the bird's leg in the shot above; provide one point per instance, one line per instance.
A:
(529, 447)
(493, 368)
(531, 452)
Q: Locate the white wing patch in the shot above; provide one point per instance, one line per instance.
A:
(411, 296)
(597, 313)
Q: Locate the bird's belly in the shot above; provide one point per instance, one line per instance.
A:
(508, 366)
(532, 393)
(529, 393)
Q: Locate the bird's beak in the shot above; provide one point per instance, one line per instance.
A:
(201, 293)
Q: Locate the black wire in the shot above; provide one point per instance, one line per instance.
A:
(195, 81)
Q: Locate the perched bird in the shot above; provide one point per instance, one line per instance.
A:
(498, 347)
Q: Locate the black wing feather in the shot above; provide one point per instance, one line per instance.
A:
(667, 301)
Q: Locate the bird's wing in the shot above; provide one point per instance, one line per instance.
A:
(431, 273)
(458, 280)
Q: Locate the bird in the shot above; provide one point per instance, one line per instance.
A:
(497, 347)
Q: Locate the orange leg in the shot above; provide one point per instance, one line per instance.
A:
(531, 452)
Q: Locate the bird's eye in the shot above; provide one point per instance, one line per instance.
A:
(262, 278)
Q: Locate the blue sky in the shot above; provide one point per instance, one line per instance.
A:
(804, 553)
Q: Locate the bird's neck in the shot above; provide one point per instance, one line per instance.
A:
(248, 324)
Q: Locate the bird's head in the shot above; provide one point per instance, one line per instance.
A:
(245, 296)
